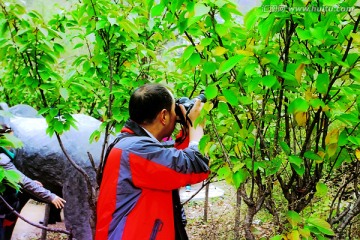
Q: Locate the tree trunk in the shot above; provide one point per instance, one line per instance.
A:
(206, 203)
(45, 221)
(248, 222)
(237, 214)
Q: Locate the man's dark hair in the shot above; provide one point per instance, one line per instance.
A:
(147, 101)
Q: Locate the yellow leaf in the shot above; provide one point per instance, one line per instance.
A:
(305, 233)
(218, 51)
(309, 94)
(326, 108)
(294, 235)
(221, 99)
(199, 47)
(331, 149)
(202, 25)
(321, 154)
(356, 37)
(237, 150)
(357, 154)
(245, 52)
(189, 14)
(332, 137)
(157, 36)
(299, 71)
(300, 118)
(264, 61)
(250, 44)
(127, 64)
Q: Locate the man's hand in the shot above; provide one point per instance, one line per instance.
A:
(194, 111)
(195, 134)
(58, 202)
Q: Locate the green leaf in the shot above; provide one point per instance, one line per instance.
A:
(354, 140)
(194, 60)
(322, 83)
(227, 65)
(211, 92)
(311, 155)
(245, 100)
(293, 218)
(298, 105)
(265, 26)
(230, 97)
(285, 147)
(303, 34)
(224, 172)
(277, 237)
(188, 53)
(295, 160)
(58, 126)
(53, 112)
(321, 225)
(330, 2)
(251, 17)
(223, 108)
(316, 103)
(273, 167)
(299, 169)
(13, 177)
(240, 177)
(355, 73)
(78, 45)
(100, 24)
(58, 48)
(206, 41)
(221, 29)
(343, 139)
(225, 14)
(157, 10)
(269, 81)
(321, 189)
(209, 67)
(95, 136)
(203, 142)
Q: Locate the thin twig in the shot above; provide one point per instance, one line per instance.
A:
(31, 223)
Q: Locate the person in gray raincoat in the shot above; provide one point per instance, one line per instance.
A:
(28, 189)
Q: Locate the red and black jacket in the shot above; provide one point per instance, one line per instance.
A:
(136, 199)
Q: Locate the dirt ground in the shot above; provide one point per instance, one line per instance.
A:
(34, 212)
(218, 225)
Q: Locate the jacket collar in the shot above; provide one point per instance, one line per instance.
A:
(134, 128)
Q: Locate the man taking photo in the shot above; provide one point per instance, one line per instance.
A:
(139, 196)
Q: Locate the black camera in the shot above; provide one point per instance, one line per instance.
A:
(188, 104)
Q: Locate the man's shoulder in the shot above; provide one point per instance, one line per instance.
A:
(135, 141)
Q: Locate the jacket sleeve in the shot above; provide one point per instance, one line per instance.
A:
(154, 166)
(34, 189)
(27, 184)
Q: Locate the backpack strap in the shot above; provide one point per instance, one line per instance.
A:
(102, 166)
(7, 153)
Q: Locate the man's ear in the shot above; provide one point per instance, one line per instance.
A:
(162, 116)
